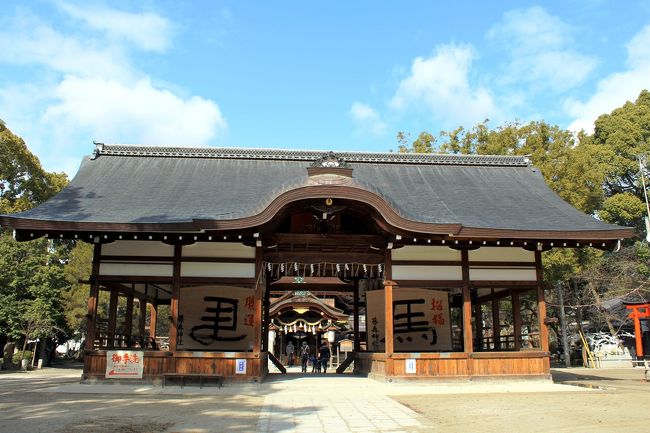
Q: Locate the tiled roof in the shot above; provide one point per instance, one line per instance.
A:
(305, 155)
(130, 187)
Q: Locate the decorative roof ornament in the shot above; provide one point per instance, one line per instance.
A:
(331, 160)
(330, 169)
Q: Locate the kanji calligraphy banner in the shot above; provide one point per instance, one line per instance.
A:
(216, 318)
(420, 320)
(124, 364)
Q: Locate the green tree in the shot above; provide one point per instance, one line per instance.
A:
(23, 182)
(31, 273)
(622, 136)
(75, 297)
(31, 282)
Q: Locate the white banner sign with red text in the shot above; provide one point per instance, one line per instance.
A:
(124, 364)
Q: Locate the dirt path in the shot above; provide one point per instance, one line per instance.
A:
(52, 401)
(623, 407)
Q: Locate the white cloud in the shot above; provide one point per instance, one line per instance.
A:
(540, 50)
(367, 118)
(85, 85)
(112, 111)
(441, 84)
(617, 88)
(27, 41)
(146, 30)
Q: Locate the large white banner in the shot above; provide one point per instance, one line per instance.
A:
(216, 318)
(124, 364)
(420, 320)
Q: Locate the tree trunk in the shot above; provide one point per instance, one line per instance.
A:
(563, 324)
(599, 305)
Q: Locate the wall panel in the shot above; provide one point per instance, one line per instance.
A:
(138, 248)
(425, 273)
(219, 249)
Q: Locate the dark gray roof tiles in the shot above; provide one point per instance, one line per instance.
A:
(130, 184)
(305, 155)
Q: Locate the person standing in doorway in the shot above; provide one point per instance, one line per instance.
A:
(304, 356)
(324, 356)
(290, 352)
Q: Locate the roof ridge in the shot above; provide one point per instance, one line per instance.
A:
(306, 155)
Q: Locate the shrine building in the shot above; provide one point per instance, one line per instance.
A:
(437, 257)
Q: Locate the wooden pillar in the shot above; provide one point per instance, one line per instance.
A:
(496, 322)
(541, 303)
(355, 313)
(128, 320)
(467, 304)
(112, 317)
(176, 288)
(388, 311)
(93, 297)
(267, 318)
(516, 311)
(153, 316)
(142, 323)
(257, 312)
(479, 327)
(388, 325)
(388, 265)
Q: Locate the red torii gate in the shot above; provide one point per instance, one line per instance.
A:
(639, 311)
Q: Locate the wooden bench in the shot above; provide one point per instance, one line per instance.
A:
(200, 376)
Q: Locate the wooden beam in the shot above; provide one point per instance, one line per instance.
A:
(91, 317)
(467, 305)
(267, 318)
(258, 294)
(388, 299)
(388, 324)
(153, 319)
(176, 287)
(541, 303)
(388, 265)
(355, 312)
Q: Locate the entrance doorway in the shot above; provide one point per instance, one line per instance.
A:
(309, 319)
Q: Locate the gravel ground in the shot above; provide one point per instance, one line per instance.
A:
(615, 401)
(27, 406)
(51, 400)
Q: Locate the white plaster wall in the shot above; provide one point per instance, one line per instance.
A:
(427, 273)
(501, 254)
(219, 249)
(138, 248)
(136, 269)
(224, 270)
(417, 252)
(500, 274)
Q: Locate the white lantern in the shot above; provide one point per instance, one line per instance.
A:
(331, 336)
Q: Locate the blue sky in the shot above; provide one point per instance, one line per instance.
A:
(323, 75)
